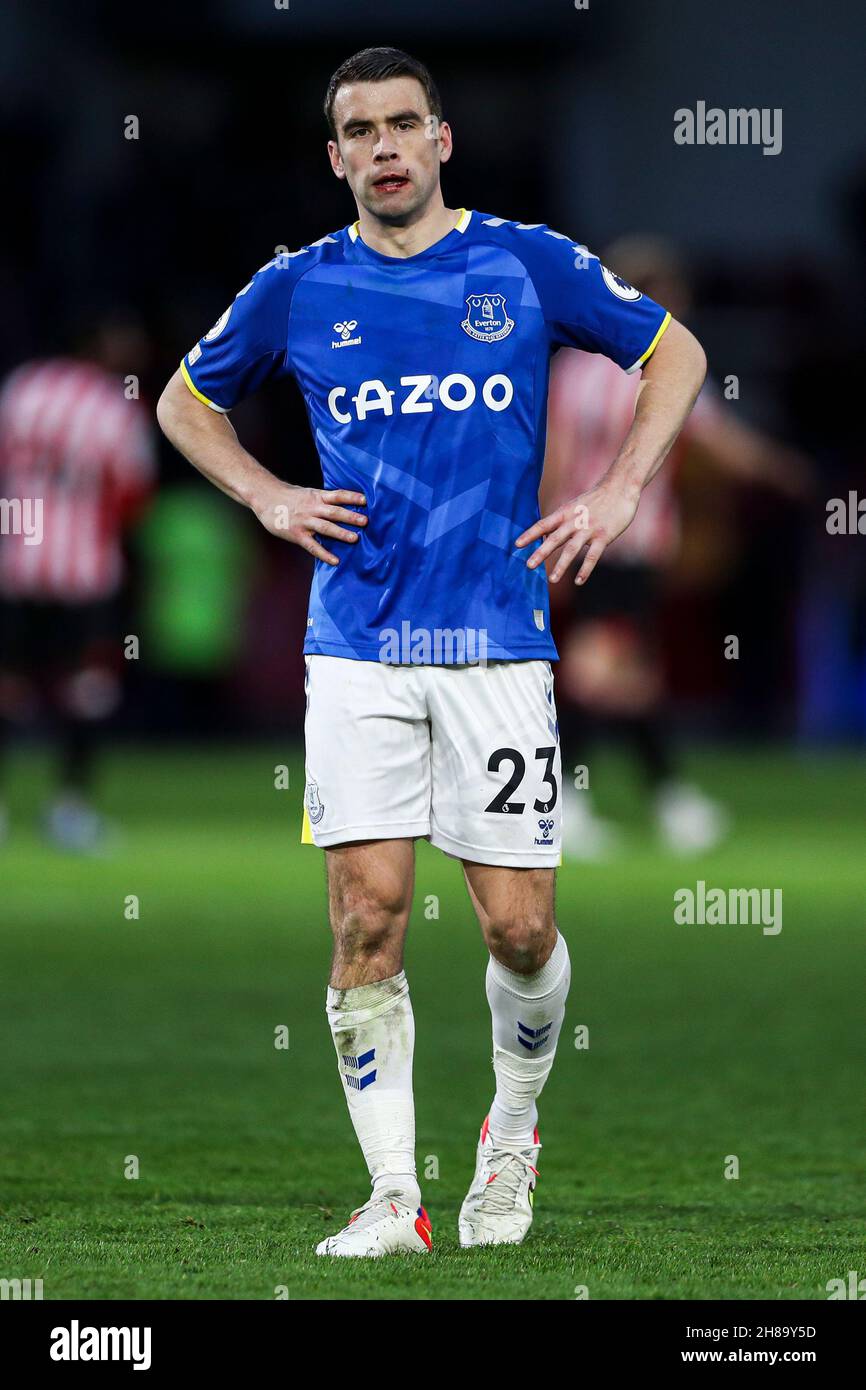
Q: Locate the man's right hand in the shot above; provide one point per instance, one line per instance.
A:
(300, 514)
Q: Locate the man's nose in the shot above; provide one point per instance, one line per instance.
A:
(384, 147)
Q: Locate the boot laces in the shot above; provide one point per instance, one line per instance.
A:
(375, 1210)
(508, 1168)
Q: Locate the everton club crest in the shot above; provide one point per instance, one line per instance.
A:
(315, 809)
(486, 319)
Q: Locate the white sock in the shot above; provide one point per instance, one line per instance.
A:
(374, 1035)
(527, 1015)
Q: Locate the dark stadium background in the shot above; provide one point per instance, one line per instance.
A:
(560, 115)
(150, 1033)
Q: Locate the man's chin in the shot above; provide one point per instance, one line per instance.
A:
(395, 208)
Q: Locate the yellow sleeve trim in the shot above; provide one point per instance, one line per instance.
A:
(653, 345)
(195, 391)
(307, 830)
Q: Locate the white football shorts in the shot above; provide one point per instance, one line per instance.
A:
(465, 756)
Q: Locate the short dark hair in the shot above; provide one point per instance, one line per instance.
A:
(378, 65)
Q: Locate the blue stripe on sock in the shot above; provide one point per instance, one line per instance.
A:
(535, 1032)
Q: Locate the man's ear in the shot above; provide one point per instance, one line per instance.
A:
(446, 144)
(336, 159)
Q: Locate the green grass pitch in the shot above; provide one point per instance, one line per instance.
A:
(155, 1038)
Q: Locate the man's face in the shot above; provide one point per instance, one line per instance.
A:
(389, 146)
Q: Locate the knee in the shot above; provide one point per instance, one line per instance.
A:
(522, 944)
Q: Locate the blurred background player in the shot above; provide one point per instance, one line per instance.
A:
(73, 444)
(610, 676)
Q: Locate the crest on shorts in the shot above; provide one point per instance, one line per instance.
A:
(486, 320)
(315, 808)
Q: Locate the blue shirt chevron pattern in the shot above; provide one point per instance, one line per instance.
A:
(425, 382)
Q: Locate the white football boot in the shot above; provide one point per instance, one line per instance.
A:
(385, 1225)
(497, 1209)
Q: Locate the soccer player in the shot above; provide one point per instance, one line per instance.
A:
(420, 337)
(78, 453)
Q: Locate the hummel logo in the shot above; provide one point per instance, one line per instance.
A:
(345, 331)
(545, 826)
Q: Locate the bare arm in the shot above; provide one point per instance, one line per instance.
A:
(669, 385)
(208, 440)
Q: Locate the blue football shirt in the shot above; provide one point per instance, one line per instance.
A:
(425, 381)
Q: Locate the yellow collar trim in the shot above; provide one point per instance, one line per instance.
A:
(464, 216)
